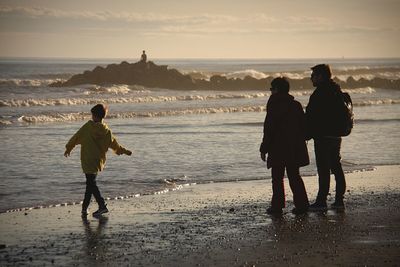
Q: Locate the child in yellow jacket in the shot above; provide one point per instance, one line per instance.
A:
(95, 138)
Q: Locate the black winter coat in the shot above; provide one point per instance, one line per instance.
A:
(284, 132)
(320, 111)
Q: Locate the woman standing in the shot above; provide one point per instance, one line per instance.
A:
(284, 142)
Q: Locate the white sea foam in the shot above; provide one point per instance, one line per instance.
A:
(115, 90)
(357, 77)
(152, 99)
(56, 117)
(142, 99)
(5, 122)
(197, 74)
(293, 75)
(365, 90)
(353, 68)
(63, 117)
(27, 82)
(370, 76)
(243, 73)
(390, 75)
(387, 101)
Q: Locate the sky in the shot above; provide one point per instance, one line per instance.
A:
(200, 29)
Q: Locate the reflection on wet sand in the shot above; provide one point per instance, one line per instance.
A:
(95, 247)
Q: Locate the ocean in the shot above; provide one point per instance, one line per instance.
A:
(178, 138)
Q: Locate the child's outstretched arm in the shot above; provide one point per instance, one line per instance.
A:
(118, 149)
(75, 140)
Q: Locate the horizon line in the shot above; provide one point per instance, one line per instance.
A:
(195, 58)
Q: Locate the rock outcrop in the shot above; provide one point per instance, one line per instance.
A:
(151, 75)
(140, 73)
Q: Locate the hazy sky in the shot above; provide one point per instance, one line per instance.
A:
(200, 29)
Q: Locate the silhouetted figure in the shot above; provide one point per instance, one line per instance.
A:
(95, 139)
(320, 113)
(284, 142)
(143, 58)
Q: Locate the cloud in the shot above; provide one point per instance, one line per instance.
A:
(41, 12)
(153, 24)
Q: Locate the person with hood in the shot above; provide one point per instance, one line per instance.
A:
(95, 139)
(284, 143)
(320, 116)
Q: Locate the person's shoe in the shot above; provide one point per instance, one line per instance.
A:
(318, 206)
(299, 211)
(274, 211)
(100, 211)
(338, 205)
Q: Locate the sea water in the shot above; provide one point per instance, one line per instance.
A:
(177, 137)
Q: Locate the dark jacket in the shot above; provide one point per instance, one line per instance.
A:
(284, 132)
(320, 111)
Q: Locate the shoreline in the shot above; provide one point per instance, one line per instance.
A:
(172, 187)
(219, 225)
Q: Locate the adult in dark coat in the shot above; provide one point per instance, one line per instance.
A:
(284, 143)
(320, 113)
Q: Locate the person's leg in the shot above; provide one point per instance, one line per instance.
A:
(337, 170)
(278, 190)
(322, 157)
(91, 179)
(296, 183)
(88, 193)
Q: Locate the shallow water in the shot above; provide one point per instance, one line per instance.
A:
(186, 136)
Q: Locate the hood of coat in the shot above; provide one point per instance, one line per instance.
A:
(279, 97)
(99, 129)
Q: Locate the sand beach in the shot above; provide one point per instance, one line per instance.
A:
(214, 224)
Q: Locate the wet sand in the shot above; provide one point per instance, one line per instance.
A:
(219, 224)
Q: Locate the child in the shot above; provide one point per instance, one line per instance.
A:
(284, 142)
(95, 138)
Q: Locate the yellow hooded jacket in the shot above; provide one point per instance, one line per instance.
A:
(95, 138)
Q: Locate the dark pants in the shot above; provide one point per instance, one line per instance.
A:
(327, 156)
(92, 189)
(300, 198)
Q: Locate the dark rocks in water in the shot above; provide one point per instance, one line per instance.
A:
(140, 73)
(150, 75)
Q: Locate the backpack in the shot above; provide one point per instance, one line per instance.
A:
(344, 121)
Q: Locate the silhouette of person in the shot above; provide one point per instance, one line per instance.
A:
(319, 115)
(284, 142)
(143, 58)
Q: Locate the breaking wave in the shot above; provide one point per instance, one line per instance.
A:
(27, 82)
(147, 99)
(5, 122)
(76, 116)
(121, 100)
(63, 117)
(342, 74)
(115, 89)
(243, 73)
(387, 101)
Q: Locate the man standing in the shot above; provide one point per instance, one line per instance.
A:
(320, 113)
